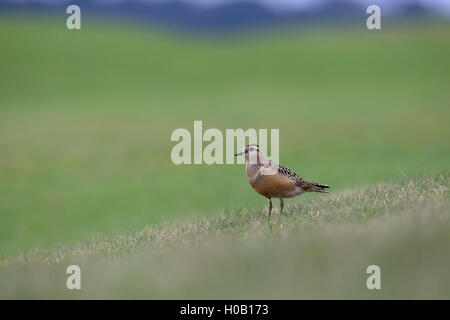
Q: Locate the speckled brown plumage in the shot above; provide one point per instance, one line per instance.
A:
(273, 180)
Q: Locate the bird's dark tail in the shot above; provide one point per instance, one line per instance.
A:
(317, 187)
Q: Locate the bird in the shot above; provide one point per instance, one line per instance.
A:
(273, 180)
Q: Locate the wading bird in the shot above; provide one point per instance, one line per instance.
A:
(273, 180)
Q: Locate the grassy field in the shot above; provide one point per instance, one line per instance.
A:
(319, 248)
(86, 119)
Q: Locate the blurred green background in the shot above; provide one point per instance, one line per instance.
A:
(86, 118)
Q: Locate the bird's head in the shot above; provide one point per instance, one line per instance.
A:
(252, 153)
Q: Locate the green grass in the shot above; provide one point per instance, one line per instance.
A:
(320, 248)
(86, 118)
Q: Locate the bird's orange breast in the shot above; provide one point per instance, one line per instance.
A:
(273, 186)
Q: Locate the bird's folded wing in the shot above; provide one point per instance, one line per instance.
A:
(292, 175)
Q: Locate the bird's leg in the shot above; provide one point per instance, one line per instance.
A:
(281, 206)
(270, 208)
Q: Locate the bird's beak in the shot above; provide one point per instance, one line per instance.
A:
(239, 154)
